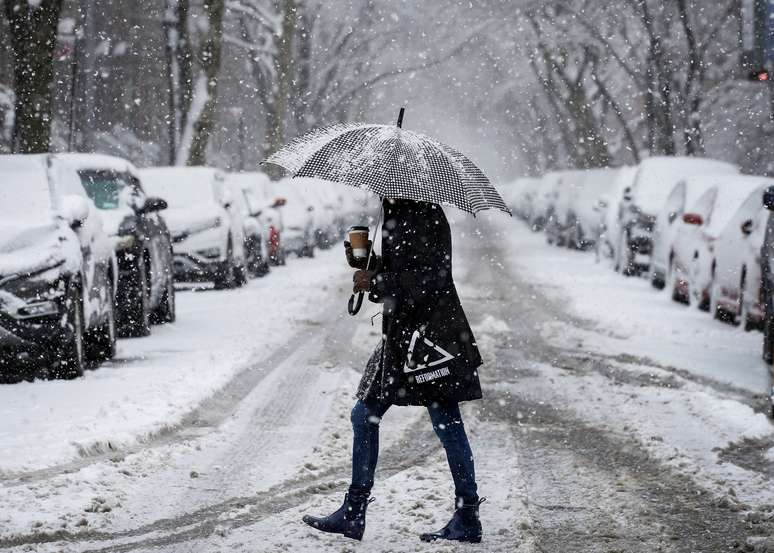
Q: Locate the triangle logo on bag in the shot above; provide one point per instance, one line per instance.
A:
(424, 363)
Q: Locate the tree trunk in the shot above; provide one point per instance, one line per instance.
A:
(200, 117)
(283, 73)
(33, 39)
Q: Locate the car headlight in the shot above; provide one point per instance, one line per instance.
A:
(40, 309)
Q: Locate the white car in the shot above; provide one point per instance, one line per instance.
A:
(207, 229)
(256, 232)
(668, 221)
(617, 197)
(297, 216)
(656, 178)
(544, 200)
(737, 294)
(589, 199)
(692, 268)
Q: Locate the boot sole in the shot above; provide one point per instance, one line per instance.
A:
(429, 538)
(351, 535)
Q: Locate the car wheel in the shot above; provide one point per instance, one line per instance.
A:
(134, 303)
(71, 355)
(100, 344)
(658, 282)
(226, 276)
(240, 276)
(165, 312)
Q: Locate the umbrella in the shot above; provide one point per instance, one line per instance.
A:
(391, 162)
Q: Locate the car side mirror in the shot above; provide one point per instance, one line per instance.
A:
(768, 198)
(227, 205)
(693, 219)
(256, 213)
(73, 209)
(153, 204)
(747, 227)
(279, 202)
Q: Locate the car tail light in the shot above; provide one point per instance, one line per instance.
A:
(693, 219)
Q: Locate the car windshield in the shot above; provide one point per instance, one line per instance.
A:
(24, 192)
(103, 187)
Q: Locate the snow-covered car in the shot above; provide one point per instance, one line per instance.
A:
(692, 268)
(325, 203)
(767, 280)
(737, 293)
(558, 203)
(589, 199)
(618, 195)
(296, 214)
(57, 269)
(541, 208)
(520, 195)
(256, 256)
(146, 290)
(207, 230)
(259, 191)
(656, 178)
(669, 219)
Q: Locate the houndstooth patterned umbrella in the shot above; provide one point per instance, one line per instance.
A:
(391, 162)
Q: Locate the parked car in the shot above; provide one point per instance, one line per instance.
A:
(256, 256)
(656, 178)
(588, 200)
(261, 198)
(207, 230)
(610, 228)
(558, 205)
(669, 219)
(57, 269)
(692, 269)
(544, 200)
(146, 290)
(737, 294)
(298, 223)
(767, 278)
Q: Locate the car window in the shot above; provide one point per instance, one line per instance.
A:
(103, 187)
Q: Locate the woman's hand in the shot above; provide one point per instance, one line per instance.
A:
(362, 280)
(356, 262)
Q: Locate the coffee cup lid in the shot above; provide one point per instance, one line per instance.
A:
(357, 228)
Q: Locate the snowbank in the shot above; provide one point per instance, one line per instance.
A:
(155, 381)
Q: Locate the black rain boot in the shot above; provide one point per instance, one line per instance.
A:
(464, 526)
(349, 520)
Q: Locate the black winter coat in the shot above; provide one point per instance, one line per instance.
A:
(428, 353)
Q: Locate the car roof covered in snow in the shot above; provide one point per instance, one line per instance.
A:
(732, 192)
(25, 194)
(183, 186)
(657, 177)
(98, 162)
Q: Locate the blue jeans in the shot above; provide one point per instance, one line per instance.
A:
(447, 423)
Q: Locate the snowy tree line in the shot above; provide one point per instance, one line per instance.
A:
(578, 83)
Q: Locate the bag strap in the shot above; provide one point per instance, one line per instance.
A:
(353, 307)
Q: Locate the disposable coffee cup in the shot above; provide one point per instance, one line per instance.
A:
(358, 239)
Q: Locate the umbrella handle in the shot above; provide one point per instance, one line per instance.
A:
(354, 307)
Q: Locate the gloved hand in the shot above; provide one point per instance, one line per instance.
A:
(362, 280)
(356, 262)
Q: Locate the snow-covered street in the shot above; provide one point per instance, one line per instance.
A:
(601, 429)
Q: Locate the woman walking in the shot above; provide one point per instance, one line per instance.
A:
(427, 357)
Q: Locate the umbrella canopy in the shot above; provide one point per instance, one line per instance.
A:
(391, 162)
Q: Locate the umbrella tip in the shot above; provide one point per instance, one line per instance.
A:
(400, 117)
